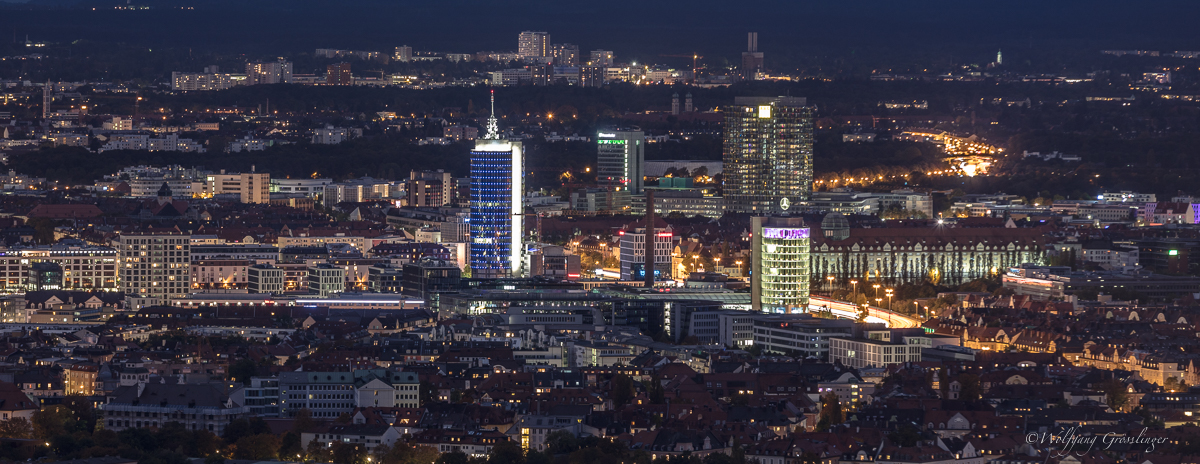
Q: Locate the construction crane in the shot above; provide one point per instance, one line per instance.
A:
(693, 56)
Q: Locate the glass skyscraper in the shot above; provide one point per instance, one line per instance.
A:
(768, 153)
(780, 274)
(496, 209)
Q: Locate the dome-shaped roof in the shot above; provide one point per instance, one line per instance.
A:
(835, 226)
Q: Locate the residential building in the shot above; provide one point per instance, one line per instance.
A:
(264, 278)
(565, 54)
(153, 405)
(250, 187)
(279, 72)
(330, 135)
(403, 54)
(531, 44)
(339, 74)
(601, 58)
(154, 268)
(429, 189)
(190, 82)
(219, 273)
(326, 279)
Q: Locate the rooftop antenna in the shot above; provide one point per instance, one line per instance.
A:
(493, 128)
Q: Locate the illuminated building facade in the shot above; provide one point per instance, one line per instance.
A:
(780, 265)
(496, 209)
(533, 44)
(620, 158)
(633, 251)
(768, 153)
(154, 268)
(942, 255)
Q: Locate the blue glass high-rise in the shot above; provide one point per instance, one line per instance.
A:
(496, 209)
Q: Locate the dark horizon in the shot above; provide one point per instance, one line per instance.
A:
(875, 32)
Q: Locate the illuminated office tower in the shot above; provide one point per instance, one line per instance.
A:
(619, 159)
(768, 153)
(496, 211)
(779, 265)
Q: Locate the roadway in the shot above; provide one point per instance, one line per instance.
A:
(849, 310)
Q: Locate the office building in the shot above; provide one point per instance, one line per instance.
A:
(620, 159)
(737, 329)
(779, 264)
(497, 189)
(428, 278)
(45, 276)
(752, 59)
(554, 262)
(326, 279)
(278, 72)
(154, 268)
(385, 278)
(429, 188)
(633, 251)
(264, 278)
(338, 74)
(874, 352)
(326, 394)
(531, 44)
(799, 335)
(611, 198)
(403, 54)
(768, 153)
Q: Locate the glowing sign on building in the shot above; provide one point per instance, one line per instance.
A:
(785, 234)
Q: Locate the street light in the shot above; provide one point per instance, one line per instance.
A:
(876, 290)
(854, 285)
(830, 279)
(889, 297)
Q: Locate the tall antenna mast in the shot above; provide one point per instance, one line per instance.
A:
(493, 128)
